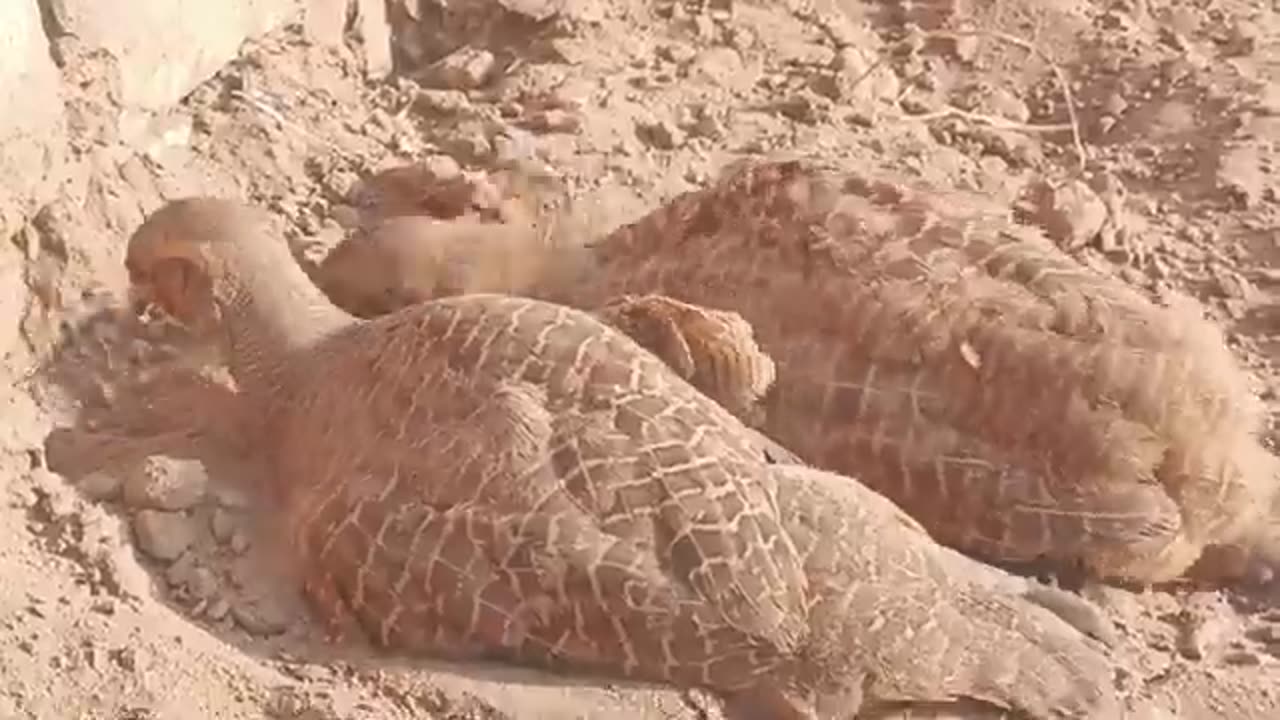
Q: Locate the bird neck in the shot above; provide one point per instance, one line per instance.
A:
(271, 311)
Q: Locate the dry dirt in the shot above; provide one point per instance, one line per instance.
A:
(142, 593)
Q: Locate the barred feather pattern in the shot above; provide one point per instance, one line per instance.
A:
(1020, 405)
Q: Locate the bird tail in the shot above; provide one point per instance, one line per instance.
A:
(1027, 659)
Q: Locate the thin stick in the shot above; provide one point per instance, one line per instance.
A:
(1058, 72)
(992, 120)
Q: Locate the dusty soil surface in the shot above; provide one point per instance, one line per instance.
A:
(1142, 134)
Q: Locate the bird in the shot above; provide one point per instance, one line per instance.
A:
(490, 476)
(1024, 408)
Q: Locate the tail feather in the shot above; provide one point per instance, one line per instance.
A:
(909, 621)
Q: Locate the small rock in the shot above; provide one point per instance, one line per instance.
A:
(260, 618)
(705, 27)
(513, 146)
(863, 79)
(223, 525)
(1006, 104)
(1241, 658)
(1191, 641)
(965, 48)
(229, 497)
(722, 65)
(442, 168)
(700, 121)
(100, 486)
(1232, 284)
(444, 102)
(53, 497)
(166, 484)
(218, 609)
(553, 121)
(125, 658)
(799, 108)
(1072, 215)
(679, 54)
(202, 584)
(239, 542)
(472, 147)
(288, 703)
(660, 135)
(1115, 104)
(106, 606)
(1266, 634)
(466, 68)
(163, 535)
(537, 10)
(180, 571)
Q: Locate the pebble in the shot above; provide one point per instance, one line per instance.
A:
(239, 542)
(722, 65)
(1232, 284)
(1006, 104)
(863, 81)
(660, 135)
(166, 484)
(124, 658)
(260, 618)
(1191, 641)
(1266, 634)
(287, 703)
(1072, 215)
(466, 68)
(163, 535)
(178, 573)
(202, 584)
(223, 525)
(217, 609)
(553, 120)
(445, 102)
(199, 582)
(230, 498)
(1241, 658)
(100, 486)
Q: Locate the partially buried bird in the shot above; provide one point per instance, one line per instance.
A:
(1022, 407)
(489, 476)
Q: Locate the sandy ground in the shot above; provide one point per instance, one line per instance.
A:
(142, 594)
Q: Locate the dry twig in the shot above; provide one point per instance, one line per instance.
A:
(1064, 83)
